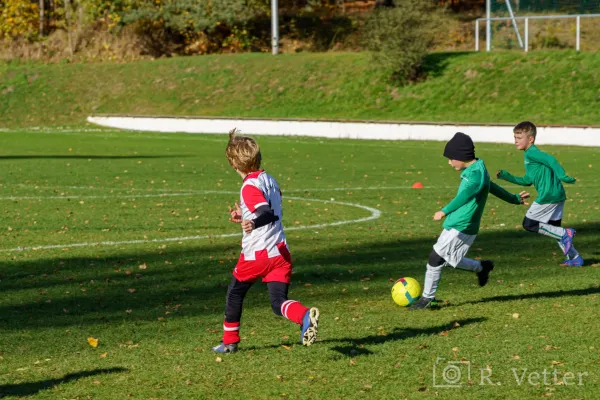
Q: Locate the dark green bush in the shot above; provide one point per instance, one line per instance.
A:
(399, 37)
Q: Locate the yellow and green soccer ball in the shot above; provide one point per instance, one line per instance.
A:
(406, 291)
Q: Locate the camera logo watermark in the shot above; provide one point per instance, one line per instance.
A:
(451, 374)
(454, 374)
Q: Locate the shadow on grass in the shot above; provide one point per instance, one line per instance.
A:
(435, 64)
(84, 157)
(541, 295)
(356, 345)
(191, 282)
(31, 388)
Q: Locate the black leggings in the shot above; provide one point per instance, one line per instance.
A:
(532, 225)
(278, 291)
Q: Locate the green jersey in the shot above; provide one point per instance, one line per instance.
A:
(544, 173)
(464, 212)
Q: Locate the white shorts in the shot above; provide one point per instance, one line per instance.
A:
(545, 212)
(453, 245)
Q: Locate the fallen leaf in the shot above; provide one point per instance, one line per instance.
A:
(131, 290)
(96, 382)
(93, 342)
(143, 266)
(218, 359)
(444, 333)
(103, 355)
(515, 315)
(288, 348)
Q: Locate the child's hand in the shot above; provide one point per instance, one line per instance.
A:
(247, 225)
(236, 215)
(498, 174)
(438, 216)
(524, 195)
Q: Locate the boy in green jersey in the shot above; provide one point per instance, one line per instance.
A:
(545, 174)
(463, 216)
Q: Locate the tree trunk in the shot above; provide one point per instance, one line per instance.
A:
(68, 20)
(41, 17)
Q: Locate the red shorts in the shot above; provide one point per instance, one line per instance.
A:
(274, 269)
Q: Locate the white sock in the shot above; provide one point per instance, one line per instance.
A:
(555, 232)
(432, 280)
(468, 264)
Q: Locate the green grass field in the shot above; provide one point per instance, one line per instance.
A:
(126, 240)
(547, 87)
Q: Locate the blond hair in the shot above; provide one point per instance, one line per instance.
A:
(527, 128)
(243, 152)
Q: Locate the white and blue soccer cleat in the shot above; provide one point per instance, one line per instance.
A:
(575, 262)
(225, 348)
(310, 323)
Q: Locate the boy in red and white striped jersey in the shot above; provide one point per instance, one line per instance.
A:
(264, 248)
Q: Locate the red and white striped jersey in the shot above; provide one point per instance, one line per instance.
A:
(258, 189)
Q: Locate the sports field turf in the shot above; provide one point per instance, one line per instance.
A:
(126, 240)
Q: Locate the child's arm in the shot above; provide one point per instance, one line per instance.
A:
(505, 195)
(235, 215)
(264, 216)
(553, 164)
(466, 192)
(517, 180)
(257, 204)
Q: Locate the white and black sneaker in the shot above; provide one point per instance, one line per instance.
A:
(308, 330)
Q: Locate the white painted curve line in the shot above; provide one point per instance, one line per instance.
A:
(128, 196)
(375, 213)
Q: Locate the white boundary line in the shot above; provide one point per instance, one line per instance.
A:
(375, 214)
(372, 130)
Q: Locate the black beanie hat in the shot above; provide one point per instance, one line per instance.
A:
(460, 148)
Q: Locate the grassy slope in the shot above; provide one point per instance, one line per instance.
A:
(547, 87)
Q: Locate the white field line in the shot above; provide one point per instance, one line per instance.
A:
(374, 215)
(130, 196)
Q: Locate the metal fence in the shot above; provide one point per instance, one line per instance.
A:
(524, 43)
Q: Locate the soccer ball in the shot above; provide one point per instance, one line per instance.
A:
(406, 291)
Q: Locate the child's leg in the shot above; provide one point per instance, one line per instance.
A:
(233, 310)
(469, 264)
(551, 229)
(572, 253)
(546, 229)
(290, 309)
(433, 275)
